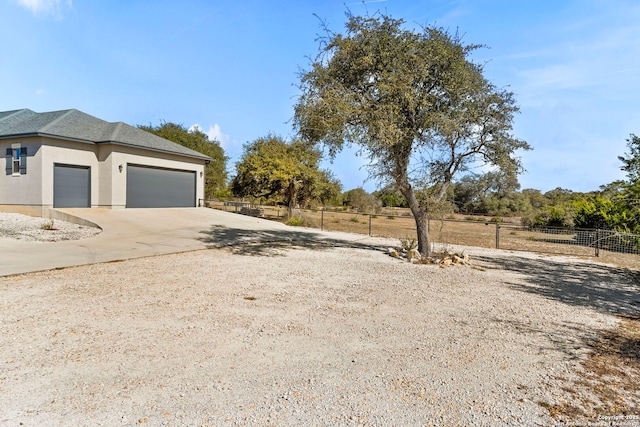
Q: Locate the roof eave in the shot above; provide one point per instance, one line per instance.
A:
(45, 135)
(84, 141)
(157, 150)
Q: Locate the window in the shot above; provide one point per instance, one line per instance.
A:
(16, 161)
(16, 158)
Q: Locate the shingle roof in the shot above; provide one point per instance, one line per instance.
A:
(78, 126)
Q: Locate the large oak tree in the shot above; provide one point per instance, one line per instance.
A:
(283, 171)
(414, 104)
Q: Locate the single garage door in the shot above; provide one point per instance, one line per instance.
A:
(149, 187)
(71, 186)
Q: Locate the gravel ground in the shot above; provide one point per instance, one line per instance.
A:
(33, 229)
(279, 334)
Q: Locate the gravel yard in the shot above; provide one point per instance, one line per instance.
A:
(32, 229)
(279, 334)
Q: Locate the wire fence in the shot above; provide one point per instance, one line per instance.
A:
(607, 245)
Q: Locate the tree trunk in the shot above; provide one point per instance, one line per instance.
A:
(292, 197)
(422, 225)
(421, 216)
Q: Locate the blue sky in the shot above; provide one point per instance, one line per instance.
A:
(231, 67)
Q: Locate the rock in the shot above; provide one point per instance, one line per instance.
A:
(414, 254)
(446, 261)
(456, 259)
(394, 253)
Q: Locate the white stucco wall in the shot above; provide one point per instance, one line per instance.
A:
(68, 153)
(105, 174)
(19, 193)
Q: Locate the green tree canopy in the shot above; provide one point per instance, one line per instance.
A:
(536, 199)
(561, 195)
(413, 103)
(278, 170)
(359, 199)
(390, 197)
(600, 212)
(493, 193)
(631, 160)
(215, 171)
(630, 199)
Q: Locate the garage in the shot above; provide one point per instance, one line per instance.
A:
(152, 187)
(71, 186)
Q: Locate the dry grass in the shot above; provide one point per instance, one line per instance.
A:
(397, 223)
(609, 384)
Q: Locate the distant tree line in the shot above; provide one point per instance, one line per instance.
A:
(275, 171)
(422, 112)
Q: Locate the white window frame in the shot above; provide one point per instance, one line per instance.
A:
(15, 160)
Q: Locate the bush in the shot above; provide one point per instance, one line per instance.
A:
(551, 216)
(48, 225)
(408, 243)
(295, 221)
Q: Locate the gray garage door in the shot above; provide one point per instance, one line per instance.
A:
(149, 187)
(71, 186)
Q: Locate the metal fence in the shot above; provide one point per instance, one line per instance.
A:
(605, 244)
(588, 241)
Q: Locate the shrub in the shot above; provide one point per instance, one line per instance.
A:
(295, 221)
(551, 216)
(48, 225)
(408, 243)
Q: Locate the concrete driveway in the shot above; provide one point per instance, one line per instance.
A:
(133, 233)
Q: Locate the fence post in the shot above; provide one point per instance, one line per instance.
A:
(322, 219)
(370, 216)
(497, 235)
(597, 245)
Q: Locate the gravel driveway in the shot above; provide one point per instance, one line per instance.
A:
(309, 334)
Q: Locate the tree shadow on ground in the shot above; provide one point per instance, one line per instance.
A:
(612, 355)
(567, 337)
(604, 288)
(273, 242)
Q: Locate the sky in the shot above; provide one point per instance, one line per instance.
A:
(231, 67)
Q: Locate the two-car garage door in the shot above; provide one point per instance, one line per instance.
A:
(151, 187)
(147, 187)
